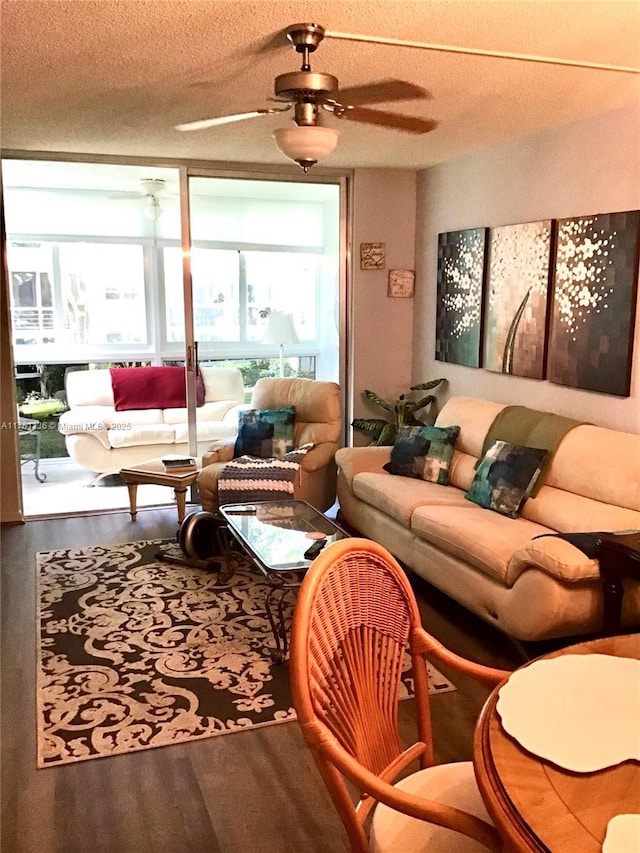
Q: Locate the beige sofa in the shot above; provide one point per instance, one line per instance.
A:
(530, 589)
(105, 440)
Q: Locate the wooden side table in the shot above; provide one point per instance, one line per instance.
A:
(154, 473)
(619, 557)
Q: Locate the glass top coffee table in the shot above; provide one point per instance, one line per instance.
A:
(282, 539)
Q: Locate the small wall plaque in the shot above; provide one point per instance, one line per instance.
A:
(401, 283)
(372, 256)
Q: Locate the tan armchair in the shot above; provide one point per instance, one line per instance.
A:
(318, 420)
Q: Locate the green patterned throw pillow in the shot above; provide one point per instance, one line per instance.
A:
(423, 452)
(505, 477)
(265, 433)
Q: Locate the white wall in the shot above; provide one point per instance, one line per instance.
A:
(589, 167)
(384, 211)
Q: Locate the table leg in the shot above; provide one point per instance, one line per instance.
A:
(36, 462)
(132, 488)
(619, 557)
(279, 625)
(612, 594)
(181, 500)
(35, 456)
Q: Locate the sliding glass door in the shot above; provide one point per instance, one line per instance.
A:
(114, 264)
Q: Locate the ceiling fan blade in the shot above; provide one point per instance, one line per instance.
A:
(125, 194)
(202, 124)
(218, 120)
(395, 121)
(383, 92)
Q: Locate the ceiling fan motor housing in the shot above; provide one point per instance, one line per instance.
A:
(312, 85)
(152, 186)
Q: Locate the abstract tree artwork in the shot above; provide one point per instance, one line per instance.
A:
(594, 301)
(461, 263)
(517, 297)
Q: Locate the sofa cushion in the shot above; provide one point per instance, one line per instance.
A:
(505, 477)
(569, 513)
(613, 473)
(467, 535)
(474, 416)
(214, 411)
(206, 431)
(87, 418)
(152, 388)
(317, 405)
(399, 496)
(222, 383)
(265, 432)
(423, 452)
(157, 433)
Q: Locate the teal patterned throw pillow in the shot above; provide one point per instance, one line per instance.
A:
(265, 433)
(505, 477)
(423, 452)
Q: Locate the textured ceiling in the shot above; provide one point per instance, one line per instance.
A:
(115, 76)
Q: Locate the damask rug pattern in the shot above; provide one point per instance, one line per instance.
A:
(136, 653)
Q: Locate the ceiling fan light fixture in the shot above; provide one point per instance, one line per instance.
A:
(306, 145)
(152, 209)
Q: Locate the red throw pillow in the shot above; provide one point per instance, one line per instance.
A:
(152, 388)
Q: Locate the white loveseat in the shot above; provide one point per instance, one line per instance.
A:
(105, 440)
(530, 588)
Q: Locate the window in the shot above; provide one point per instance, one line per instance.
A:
(103, 293)
(233, 292)
(32, 312)
(93, 279)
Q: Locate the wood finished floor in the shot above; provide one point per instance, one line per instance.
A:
(251, 792)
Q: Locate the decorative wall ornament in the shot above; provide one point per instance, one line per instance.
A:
(372, 256)
(517, 298)
(401, 283)
(594, 302)
(461, 264)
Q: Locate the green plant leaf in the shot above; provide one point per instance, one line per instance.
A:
(383, 432)
(427, 386)
(388, 435)
(371, 395)
(374, 426)
(425, 401)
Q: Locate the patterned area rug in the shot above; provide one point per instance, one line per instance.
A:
(136, 653)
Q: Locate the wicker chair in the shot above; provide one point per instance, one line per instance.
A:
(355, 616)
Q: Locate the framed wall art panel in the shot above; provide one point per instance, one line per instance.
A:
(595, 282)
(460, 282)
(517, 299)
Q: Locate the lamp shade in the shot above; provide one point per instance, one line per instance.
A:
(280, 329)
(306, 144)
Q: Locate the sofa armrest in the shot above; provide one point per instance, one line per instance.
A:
(555, 557)
(220, 451)
(354, 460)
(319, 456)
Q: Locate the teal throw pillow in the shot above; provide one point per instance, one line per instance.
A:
(423, 452)
(505, 477)
(265, 433)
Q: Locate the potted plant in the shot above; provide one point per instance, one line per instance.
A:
(383, 431)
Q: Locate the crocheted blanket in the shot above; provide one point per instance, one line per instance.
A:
(249, 478)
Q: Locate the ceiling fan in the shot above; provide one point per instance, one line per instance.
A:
(308, 92)
(150, 188)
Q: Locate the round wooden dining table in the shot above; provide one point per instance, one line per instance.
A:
(536, 805)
